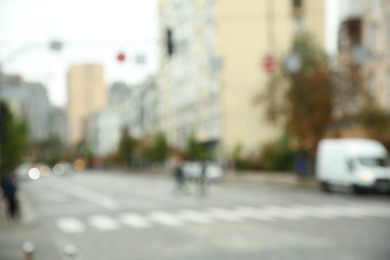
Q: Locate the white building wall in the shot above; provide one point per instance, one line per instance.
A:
(188, 83)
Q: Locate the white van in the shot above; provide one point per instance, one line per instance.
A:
(356, 163)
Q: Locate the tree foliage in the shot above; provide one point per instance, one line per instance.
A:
(13, 139)
(127, 145)
(195, 150)
(306, 103)
(48, 151)
(158, 150)
(277, 155)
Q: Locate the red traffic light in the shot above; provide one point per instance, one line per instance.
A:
(121, 57)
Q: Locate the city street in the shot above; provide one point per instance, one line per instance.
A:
(113, 216)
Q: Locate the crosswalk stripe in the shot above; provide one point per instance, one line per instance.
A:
(280, 212)
(378, 211)
(194, 216)
(253, 213)
(349, 211)
(325, 212)
(73, 225)
(134, 220)
(224, 214)
(70, 225)
(103, 222)
(164, 218)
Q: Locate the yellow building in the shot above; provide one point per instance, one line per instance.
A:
(376, 24)
(210, 76)
(87, 94)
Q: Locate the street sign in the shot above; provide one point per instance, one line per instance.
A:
(269, 63)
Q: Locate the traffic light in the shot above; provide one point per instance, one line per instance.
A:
(121, 57)
(297, 6)
(169, 42)
(297, 3)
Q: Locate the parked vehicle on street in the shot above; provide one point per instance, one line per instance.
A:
(360, 164)
(193, 170)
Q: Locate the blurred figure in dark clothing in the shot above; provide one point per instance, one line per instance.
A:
(203, 179)
(179, 174)
(9, 187)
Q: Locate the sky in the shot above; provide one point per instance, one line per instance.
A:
(92, 31)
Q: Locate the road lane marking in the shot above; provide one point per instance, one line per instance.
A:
(224, 214)
(194, 216)
(279, 212)
(252, 213)
(134, 220)
(103, 222)
(164, 218)
(70, 225)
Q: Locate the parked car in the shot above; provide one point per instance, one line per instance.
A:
(193, 169)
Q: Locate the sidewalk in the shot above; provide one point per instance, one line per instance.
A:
(278, 178)
(13, 234)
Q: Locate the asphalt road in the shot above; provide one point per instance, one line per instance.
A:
(112, 216)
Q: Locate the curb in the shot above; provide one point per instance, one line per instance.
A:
(273, 178)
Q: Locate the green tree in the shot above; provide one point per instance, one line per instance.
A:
(306, 103)
(195, 150)
(159, 150)
(48, 151)
(127, 145)
(277, 156)
(13, 139)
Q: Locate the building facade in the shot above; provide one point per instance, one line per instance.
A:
(87, 94)
(134, 108)
(376, 34)
(30, 102)
(211, 67)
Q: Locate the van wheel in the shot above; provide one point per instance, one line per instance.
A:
(326, 187)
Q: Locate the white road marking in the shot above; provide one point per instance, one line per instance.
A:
(194, 216)
(224, 214)
(103, 222)
(70, 225)
(279, 212)
(134, 220)
(252, 213)
(164, 218)
(379, 211)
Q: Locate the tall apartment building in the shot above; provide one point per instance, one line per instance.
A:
(376, 24)
(87, 94)
(30, 102)
(211, 67)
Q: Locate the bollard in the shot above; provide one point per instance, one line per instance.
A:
(28, 250)
(70, 251)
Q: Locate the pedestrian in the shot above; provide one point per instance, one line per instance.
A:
(203, 179)
(179, 174)
(9, 187)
